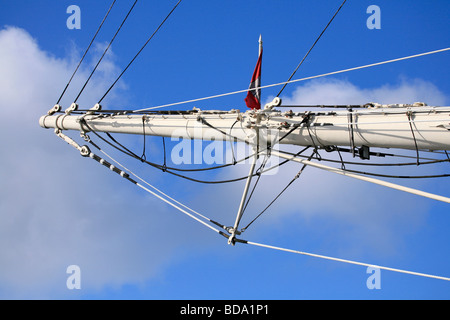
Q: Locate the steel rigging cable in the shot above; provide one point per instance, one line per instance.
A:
(168, 169)
(142, 48)
(184, 209)
(279, 194)
(106, 50)
(314, 44)
(295, 80)
(84, 55)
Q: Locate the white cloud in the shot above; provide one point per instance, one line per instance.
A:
(58, 209)
(333, 91)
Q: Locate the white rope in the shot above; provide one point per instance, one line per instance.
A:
(297, 80)
(349, 261)
(283, 155)
(176, 206)
(248, 242)
(259, 244)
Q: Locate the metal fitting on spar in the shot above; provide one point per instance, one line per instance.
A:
(85, 151)
(63, 121)
(53, 121)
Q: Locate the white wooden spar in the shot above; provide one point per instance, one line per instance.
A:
(416, 126)
(395, 126)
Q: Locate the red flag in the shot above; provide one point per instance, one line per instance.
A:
(253, 99)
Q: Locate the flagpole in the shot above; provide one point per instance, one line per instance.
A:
(260, 44)
(259, 55)
(253, 99)
(234, 230)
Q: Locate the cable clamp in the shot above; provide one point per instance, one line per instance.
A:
(85, 151)
(85, 136)
(67, 139)
(95, 108)
(73, 107)
(56, 108)
(275, 103)
(233, 232)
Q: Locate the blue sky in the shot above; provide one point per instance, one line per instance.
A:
(58, 209)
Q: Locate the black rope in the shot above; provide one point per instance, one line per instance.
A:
(320, 158)
(408, 114)
(164, 151)
(379, 174)
(293, 73)
(305, 119)
(399, 177)
(133, 155)
(143, 157)
(142, 48)
(231, 143)
(206, 123)
(351, 131)
(342, 160)
(106, 50)
(279, 194)
(258, 173)
(129, 152)
(164, 166)
(84, 55)
(124, 150)
(316, 148)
